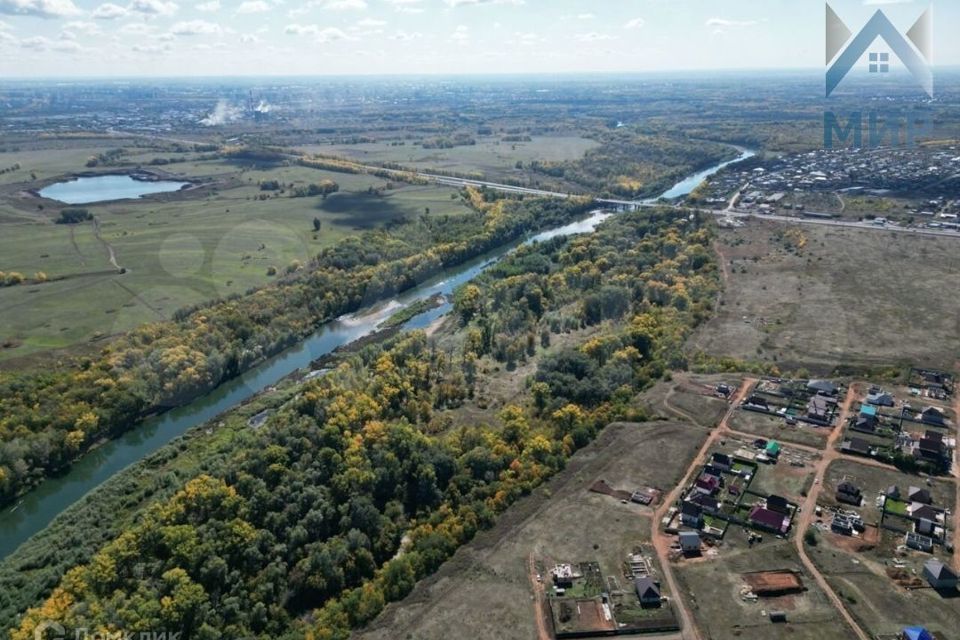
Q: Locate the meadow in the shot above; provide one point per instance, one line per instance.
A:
(492, 156)
(181, 249)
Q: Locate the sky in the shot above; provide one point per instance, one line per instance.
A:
(95, 38)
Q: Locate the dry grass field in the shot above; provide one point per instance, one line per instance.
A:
(713, 586)
(846, 297)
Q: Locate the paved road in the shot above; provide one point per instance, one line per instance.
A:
(730, 212)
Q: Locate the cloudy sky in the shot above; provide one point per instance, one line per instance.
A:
(326, 37)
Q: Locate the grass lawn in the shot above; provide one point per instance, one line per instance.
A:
(895, 506)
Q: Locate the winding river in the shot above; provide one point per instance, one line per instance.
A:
(55, 495)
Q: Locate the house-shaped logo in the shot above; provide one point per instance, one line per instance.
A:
(914, 49)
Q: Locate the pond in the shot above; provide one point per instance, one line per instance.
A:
(104, 188)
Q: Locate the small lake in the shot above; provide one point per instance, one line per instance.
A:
(104, 188)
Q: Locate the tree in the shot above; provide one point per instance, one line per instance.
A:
(467, 302)
(316, 224)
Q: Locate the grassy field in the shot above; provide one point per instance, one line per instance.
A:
(878, 605)
(484, 591)
(490, 156)
(689, 397)
(713, 586)
(180, 249)
(846, 297)
(766, 426)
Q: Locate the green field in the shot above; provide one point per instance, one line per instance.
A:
(181, 249)
(490, 156)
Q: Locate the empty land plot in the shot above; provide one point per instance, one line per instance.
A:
(847, 297)
(769, 427)
(690, 397)
(881, 607)
(562, 522)
(785, 479)
(713, 589)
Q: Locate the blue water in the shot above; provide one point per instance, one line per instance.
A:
(55, 495)
(687, 185)
(105, 188)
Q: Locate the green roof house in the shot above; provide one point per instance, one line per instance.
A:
(773, 449)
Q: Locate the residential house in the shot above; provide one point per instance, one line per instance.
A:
(934, 416)
(708, 484)
(818, 408)
(868, 410)
(880, 399)
(857, 446)
(773, 449)
(689, 541)
(849, 494)
(757, 402)
(768, 520)
(919, 494)
(928, 527)
(930, 449)
(892, 492)
(709, 504)
(691, 515)
(823, 387)
(778, 504)
(564, 575)
(939, 575)
(722, 461)
(842, 524)
(866, 424)
(713, 470)
(916, 633)
(919, 511)
(648, 591)
(919, 542)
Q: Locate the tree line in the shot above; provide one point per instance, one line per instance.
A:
(50, 416)
(355, 489)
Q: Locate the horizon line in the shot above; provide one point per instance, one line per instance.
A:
(428, 74)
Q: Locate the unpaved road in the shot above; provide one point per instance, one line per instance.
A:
(662, 542)
(809, 508)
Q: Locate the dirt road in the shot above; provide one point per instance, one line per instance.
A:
(541, 614)
(662, 542)
(809, 507)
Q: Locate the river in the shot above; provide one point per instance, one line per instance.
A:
(39, 507)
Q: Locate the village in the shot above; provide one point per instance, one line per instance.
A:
(819, 184)
(797, 483)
